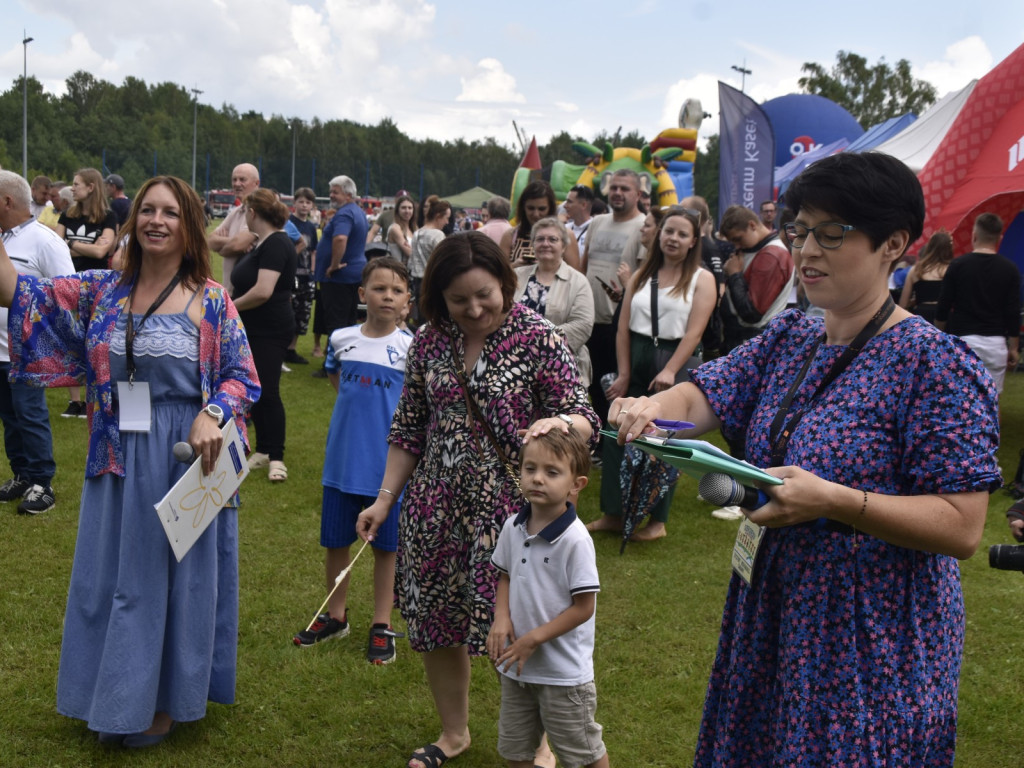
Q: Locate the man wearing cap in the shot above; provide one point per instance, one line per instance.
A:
(120, 203)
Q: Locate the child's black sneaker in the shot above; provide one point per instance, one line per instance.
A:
(381, 649)
(14, 489)
(326, 627)
(38, 499)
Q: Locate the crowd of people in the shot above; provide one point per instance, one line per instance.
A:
(495, 354)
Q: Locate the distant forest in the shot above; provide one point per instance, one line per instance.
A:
(138, 130)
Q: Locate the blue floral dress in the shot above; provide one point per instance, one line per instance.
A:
(846, 649)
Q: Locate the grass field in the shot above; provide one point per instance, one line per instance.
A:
(657, 625)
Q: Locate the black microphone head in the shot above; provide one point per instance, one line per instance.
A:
(718, 488)
(183, 452)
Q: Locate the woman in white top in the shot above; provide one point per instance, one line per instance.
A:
(552, 288)
(399, 234)
(686, 298)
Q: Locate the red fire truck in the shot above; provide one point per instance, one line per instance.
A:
(221, 201)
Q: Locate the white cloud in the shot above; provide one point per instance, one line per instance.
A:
(963, 61)
(490, 83)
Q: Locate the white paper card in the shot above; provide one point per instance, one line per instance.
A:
(195, 500)
(134, 410)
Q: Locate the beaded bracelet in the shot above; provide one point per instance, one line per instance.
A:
(864, 506)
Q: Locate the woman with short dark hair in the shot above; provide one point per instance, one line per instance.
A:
(841, 641)
(482, 370)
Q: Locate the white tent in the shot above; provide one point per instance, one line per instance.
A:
(915, 145)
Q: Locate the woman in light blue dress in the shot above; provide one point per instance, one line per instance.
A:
(147, 640)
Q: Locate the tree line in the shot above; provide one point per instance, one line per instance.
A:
(138, 130)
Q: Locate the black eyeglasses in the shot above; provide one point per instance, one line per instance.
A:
(829, 234)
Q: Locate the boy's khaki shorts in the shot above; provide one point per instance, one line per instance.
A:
(566, 712)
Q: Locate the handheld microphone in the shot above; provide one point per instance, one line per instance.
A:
(183, 452)
(722, 489)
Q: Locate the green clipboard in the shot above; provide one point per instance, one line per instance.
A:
(696, 458)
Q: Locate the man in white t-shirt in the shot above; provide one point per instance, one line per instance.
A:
(606, 237)
(35, 249)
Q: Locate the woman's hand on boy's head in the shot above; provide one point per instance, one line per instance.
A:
(542, 427)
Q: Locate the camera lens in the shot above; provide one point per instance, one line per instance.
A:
(1006, 557)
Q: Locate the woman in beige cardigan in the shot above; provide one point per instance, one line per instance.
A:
(554, 289)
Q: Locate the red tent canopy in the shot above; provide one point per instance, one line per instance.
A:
(994, 183)
(970, 170)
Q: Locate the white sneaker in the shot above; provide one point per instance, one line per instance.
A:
(259, 460)
(728, 513)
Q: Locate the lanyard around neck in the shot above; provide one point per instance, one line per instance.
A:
(130, 331)
(782, 429)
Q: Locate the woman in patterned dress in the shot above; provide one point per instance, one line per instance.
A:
(843, 646)
(477, 344)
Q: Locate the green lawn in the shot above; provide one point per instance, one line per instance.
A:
(657, 625)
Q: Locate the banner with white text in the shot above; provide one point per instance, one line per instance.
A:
(747, 145)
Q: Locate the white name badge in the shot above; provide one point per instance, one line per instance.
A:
(135, 411)
(744, 551)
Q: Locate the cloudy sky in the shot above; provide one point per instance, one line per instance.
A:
(450, 68)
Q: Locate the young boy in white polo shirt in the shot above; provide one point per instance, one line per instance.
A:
(542, 638)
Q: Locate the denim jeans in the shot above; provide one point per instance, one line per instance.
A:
(27, 437)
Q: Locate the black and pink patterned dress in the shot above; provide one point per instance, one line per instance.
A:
(459, 496)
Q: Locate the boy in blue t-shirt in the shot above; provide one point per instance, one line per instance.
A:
(366, 365)
(542, 637)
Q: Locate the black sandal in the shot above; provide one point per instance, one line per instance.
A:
(432, 756)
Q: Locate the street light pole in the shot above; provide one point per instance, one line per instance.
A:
(24, 110)
(743, 72)
(195, 131)
(294, 134)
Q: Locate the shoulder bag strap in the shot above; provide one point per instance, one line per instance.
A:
(654, 308)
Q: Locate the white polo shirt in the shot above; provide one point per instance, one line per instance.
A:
(37, 250)
(545, 571)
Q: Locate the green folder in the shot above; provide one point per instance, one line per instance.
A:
(696, 458)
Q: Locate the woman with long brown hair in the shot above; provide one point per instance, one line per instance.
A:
(924, 280)
(148, 639)
(537, 201)
(686, 295)
(399, 234)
